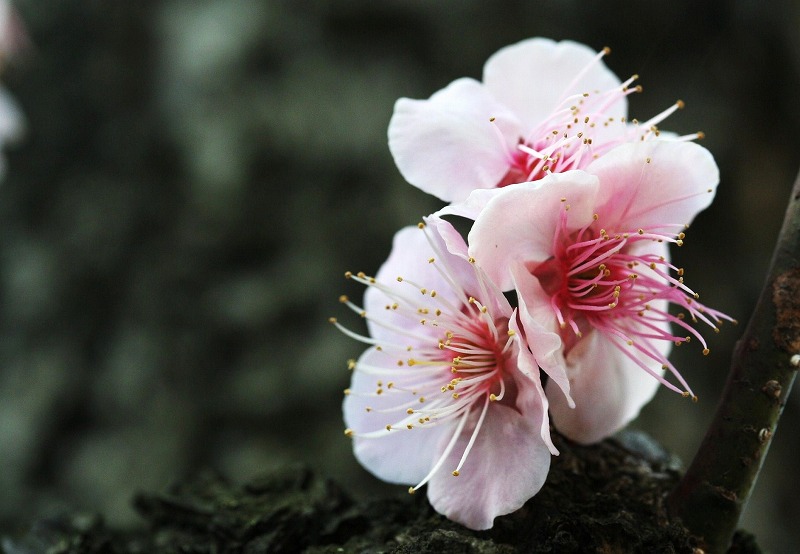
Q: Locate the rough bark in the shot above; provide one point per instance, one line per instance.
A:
(712, 495)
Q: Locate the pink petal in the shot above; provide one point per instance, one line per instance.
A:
(472, 206)
(538, 322)
(535, 76)
(402, 456)
(677, 183)
(527, 365)
(608, 388)
(518, 224)
(507, 466)
(447, 146)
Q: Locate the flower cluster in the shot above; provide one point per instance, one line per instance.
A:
(573, 208)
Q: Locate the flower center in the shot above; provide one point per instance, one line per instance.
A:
(453, 365)
(609, 282)
(476, 359)
(578, 132)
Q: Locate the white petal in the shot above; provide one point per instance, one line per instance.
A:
(518, 224)
(540, 324)
(447, 146)
(402, 456)
(409, 260)
(609, 389)
(679, 180)
(507, 465)
(472, 206)
(535, 76)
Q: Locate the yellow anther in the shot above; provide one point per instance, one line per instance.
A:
(493, 397)
(455, 473)
(348, 432)
(346, 392)
(388, 427)
(351, 364)
(343, 298)
(706, 351)
(348, 274)
(331, 320)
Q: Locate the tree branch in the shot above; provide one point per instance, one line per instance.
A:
(714, 491)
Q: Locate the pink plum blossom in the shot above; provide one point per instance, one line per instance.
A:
(587, 253)
(543, 107)
(447, 394)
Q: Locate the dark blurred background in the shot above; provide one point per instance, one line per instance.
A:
(198, 175)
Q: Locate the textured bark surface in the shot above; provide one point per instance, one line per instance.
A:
(718, 484)
(603, 498)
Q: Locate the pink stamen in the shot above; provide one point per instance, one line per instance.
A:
(600, 284)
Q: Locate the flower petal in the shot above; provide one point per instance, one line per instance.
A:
(472, 206)
(518, 224)
(508, 465)
(527, 365)
(535, 76)
(648, 184)
(537, 319)
(609, 389)
(447, 146)
(408, 259)
(402, 455)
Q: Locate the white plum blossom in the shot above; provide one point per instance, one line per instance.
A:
(447, 394)
(543, 107)
(587, 254)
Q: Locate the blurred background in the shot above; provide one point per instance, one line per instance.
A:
(197, 176)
